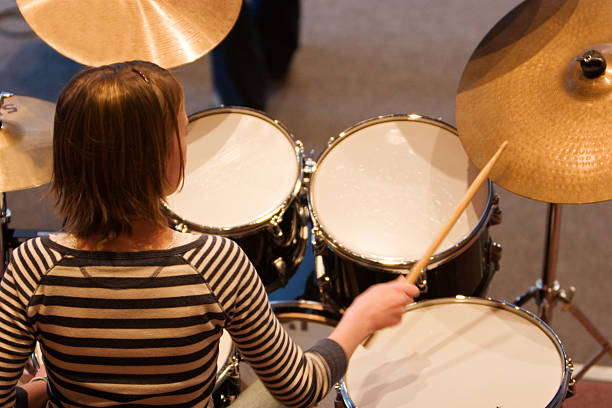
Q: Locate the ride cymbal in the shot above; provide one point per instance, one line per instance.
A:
(26, 143)
(525, 83)
(166, 32)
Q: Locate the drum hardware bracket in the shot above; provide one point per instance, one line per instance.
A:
(275, 230)
(495, 254)
(571, 386)
(309, 167)
(547, 290)
(497, 214)
(338, 401)
(421, 282)
(281, 268)
(181, 227)
(322, 279)
(232, 372)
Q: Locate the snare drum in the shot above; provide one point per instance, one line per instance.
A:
(242, 179)
(380, 193)
(306, 322)
(460, 353)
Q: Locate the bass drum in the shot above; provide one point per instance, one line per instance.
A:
(242, 179)
(378, 196)
(477, 353)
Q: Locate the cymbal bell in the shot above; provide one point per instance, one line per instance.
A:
(167, 32)
(525, 83)
(26, 143)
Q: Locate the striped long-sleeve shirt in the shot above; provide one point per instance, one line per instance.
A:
(142, 329)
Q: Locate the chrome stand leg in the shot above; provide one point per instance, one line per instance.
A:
(550, 261)
(547, 291)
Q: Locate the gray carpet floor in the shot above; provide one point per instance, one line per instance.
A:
(359, 59)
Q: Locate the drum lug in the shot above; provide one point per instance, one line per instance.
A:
(281, 268)
(318, 244)
(310, 166)
(496, 216)
(275, 230)
(495, 253)
(571, 386)
(323, 281)
(299, 147)
(421, 282)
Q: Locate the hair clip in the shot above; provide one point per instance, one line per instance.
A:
(141, 75)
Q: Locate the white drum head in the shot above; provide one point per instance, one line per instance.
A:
(458, 354)
(241, 168)
(384, 191)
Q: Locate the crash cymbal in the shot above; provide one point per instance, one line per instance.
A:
(26, 143)
(166, 32)
(525, 83)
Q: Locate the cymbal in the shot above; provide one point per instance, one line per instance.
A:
(524, 83)
(166, 32)
(26, 143)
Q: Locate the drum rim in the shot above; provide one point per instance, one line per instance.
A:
(184, 225)
(394, 264)
(307, 310)
(500, 304)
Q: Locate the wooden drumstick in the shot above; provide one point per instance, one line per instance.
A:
(418, 267)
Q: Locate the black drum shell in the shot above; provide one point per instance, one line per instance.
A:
(467, 273)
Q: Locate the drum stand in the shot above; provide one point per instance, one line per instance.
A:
(547, 290)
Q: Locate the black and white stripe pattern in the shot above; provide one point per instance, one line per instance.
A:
(142, 329)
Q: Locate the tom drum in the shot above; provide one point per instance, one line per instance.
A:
(464, 352)
(378, 196)
(242, 179)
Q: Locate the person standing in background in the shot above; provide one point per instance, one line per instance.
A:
(256, 53)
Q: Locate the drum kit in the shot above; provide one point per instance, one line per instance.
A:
(539, 79)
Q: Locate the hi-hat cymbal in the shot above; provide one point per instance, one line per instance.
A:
(26, 143)
(524, 84)
(166, 32)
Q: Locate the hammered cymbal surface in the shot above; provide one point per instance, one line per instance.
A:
(167, 32)
(523, 84)
(26, 143)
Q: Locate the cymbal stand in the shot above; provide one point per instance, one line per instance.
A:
(547, 290)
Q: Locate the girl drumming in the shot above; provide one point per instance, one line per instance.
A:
(128, 311)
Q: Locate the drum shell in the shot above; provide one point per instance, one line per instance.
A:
(467, 273)
(275, 262)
